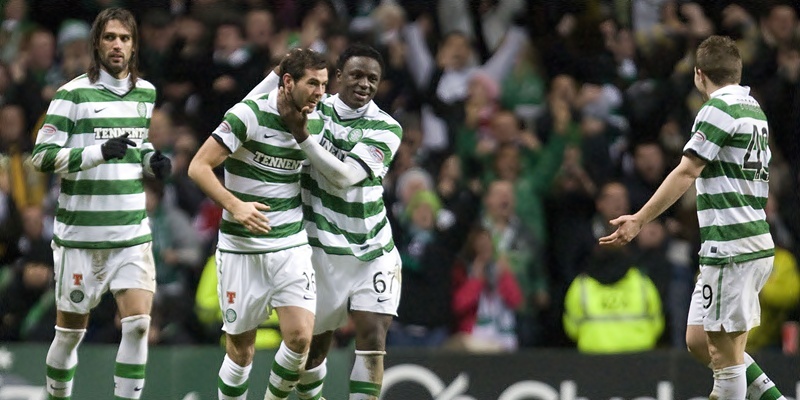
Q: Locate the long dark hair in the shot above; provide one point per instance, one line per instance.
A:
(127, 20)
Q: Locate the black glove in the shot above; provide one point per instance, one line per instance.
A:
(161, 165)
(116, 147)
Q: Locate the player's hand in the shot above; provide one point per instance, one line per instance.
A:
(116, 147)
(628, 226)
(250, 215)
(295, 119)
(161, 165)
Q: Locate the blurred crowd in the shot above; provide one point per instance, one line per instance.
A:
(528, 125)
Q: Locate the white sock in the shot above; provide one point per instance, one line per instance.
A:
(62, 360)
(131, 357)
(759, 386)
(232, 383)
(367, 375)
(285, 373)
(309, 387)
(730, 383)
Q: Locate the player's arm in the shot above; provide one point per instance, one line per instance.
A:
(267, 85)
(673, 187)
(50, 155)
(225, 140)
(154, 163)
(341, 174)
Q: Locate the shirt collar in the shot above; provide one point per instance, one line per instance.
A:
(272, 101)
(118, 86)
(730, 89)
(345, 112)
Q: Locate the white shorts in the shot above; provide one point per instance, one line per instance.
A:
(84, 275)
(726, 296)
(372, 286)
(251, 285)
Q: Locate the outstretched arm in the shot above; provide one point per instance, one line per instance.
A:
(673, 187)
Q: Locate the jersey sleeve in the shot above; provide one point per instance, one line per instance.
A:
(712, 128)
(49, 154)
(377, 148)
(237, 124)
(147, 148)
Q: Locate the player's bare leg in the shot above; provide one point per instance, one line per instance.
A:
(759, 385)
(62, 358)
(235, 370)
(366, 377)
(727, 357)
(313, 376)
(297, 325)
(129, 371)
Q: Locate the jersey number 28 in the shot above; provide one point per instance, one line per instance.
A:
(755, 159)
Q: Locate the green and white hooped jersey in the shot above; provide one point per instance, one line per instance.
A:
(352, 221)
(264, 167)
(102, 203)
(731, 133)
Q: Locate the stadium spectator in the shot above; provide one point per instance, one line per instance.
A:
(486, 297)
(613, 307)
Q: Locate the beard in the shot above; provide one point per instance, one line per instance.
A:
(299, 100)
(113, 69)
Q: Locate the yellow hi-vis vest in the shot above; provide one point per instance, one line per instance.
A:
(621, 317)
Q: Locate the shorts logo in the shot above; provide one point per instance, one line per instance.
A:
(355, 135)
(77, 279)
(142, 109)
(231, 296)
(230, 315)
(76, 296)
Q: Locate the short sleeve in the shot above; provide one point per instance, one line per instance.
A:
(238, 121)
(712, 128)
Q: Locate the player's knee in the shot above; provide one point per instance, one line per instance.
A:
(697, 346)
(136, 325)
(241, 354)
(68, 338)
(298, 341)
(372, 339)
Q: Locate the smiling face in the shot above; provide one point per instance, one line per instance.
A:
(115, 48)
(308, 90)
(359, 79)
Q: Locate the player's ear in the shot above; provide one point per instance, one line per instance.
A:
(286, 80)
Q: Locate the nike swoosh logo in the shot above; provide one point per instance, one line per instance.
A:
(270, 136)
(136, 389)
(307, 297)
(57, 388)
(382, 299)
(97, 110)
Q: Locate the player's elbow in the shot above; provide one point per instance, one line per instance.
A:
(196, 169)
